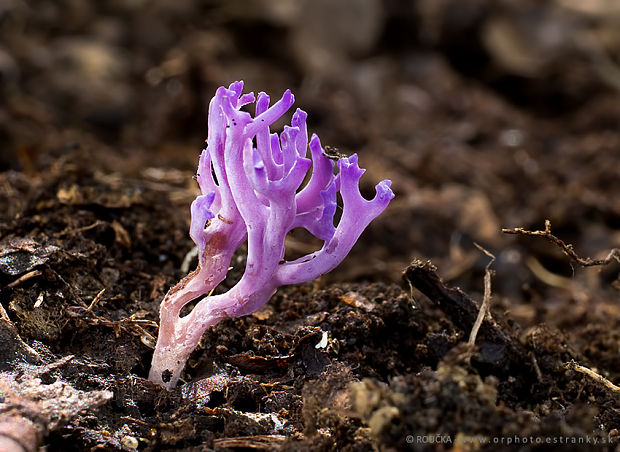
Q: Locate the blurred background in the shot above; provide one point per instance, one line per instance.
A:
(484, 113)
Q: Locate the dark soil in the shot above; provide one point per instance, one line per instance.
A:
(485, 115)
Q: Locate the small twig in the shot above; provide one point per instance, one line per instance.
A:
(131, 324)
(24, 277)
(486, 300)
(126, 321)
(566, 248)
(136, 421)
(76, 230)
(258, 442)
(95, 300)
(572, 365)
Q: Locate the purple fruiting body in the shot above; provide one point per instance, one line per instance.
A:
(251, 183)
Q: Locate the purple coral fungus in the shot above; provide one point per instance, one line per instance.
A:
(251, 183)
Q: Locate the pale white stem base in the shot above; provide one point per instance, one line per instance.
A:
(177, 338)
(168, 363)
